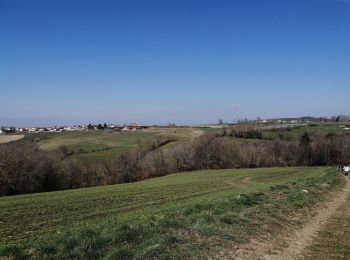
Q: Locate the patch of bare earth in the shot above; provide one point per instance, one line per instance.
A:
(9, 138)
(197, 132)
(185, 133)
(307, 240)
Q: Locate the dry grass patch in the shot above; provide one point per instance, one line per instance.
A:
(9, 138)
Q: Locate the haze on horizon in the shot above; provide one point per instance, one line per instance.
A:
(184, 62)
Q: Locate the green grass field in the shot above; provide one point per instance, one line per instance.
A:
(186, 215)
(99, 145)
(90, 144)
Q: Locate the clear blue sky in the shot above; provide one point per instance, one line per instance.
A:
(182, 61)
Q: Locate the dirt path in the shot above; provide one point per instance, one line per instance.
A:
(9, 138)
(293, 241)
(333, 241)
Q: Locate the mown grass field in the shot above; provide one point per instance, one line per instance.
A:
(195, 214)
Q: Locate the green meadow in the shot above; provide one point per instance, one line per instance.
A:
(194, 214)
(94, 145)
(97, 145)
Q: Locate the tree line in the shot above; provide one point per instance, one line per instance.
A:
(27, 169)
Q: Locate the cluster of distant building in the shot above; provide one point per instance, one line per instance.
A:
(116, 128)
(59, 129)
(301, 120)
(281, 122)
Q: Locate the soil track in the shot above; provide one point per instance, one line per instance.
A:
(293, 241)
(9, 138)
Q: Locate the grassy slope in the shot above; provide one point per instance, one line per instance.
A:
(296, 132)
(163, 217)
(96, 145)
(91, 145)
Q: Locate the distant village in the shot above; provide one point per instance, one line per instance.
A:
(277, 122)
(59, 129)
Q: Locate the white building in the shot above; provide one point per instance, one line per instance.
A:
(31, 130)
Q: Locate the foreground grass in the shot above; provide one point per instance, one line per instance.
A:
(186, 215)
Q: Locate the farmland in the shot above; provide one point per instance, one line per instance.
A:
(97, 145)
(205, 211)
(198, 213)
